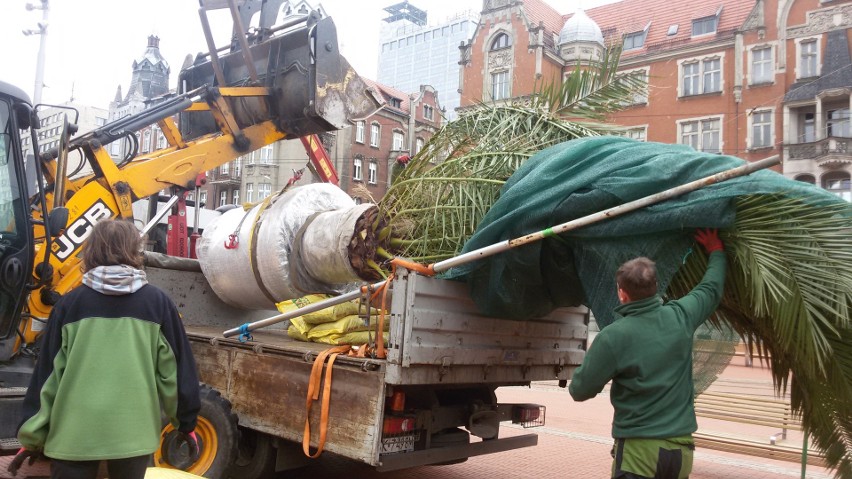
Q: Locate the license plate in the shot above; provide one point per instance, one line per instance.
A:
(394, 444)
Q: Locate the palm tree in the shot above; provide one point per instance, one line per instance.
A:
(790, 283)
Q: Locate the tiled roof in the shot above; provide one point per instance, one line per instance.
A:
(627, 16)
(540, 11)
(836, 70)
(389, 92)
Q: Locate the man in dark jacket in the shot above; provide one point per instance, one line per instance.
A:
(647, 354)
(113, 352)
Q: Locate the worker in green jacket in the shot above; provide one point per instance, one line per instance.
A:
(647, 354)
(113, 355)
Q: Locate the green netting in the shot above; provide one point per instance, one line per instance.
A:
(584, 176)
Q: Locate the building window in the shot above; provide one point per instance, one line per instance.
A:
(249, 192)
(712, 75)
(636, 133)
(806, 178)
(761, 129)
(236, 197)
(398, 140)
(374, 135)
(500, 42)
(263, 190)
(372, 172)
(807, 128)
(428, 111)
(395, 102)
(100, 121)
(202, 198)
(223, 198)
(418, 145)
(357, 164)
(238, 166)
(761, 65)
(500, 85)
(703, 76)
(633, 41)
(640, 95)
(161, 140)
(266, 155)
(808, 60)
(837, 123)
(703, 135)
(703, 26)
(359, 132)
(224, 169)
(146, 142)
(838, 183)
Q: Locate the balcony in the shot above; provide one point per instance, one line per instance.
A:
(826, 151)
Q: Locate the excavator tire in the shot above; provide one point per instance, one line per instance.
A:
(218, 437)
(255, 457)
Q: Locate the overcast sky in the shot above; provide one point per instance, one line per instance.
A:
(91, 44)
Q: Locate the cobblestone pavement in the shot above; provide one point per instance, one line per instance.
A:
(574, 443)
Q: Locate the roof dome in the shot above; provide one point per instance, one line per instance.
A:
(580, 28)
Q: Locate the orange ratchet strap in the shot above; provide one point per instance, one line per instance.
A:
(313, 395)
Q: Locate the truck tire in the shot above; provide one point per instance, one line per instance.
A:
(450, 438)
(218, 437)
(255, 457)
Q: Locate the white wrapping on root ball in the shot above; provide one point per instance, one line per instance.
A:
(259, 272)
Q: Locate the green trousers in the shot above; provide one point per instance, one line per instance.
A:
(641, 458)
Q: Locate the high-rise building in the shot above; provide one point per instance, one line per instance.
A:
(413, 52)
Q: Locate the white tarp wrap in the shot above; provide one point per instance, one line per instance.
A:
(229, 271)
(333, 230)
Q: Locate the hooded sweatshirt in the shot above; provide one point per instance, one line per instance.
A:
(113, 351)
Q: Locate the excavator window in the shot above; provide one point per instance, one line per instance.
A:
(15, 252)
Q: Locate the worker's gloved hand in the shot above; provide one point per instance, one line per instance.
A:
(709, 238)
(19, 459)
(191, 442)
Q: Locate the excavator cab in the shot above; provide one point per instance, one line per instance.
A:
(16, 241)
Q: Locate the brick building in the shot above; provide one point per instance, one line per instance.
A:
(750, 78)
(372, 146)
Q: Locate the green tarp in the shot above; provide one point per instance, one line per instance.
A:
(584, 176)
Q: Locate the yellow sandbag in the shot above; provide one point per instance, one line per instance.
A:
(344, 325)
(300, 325)
(294, 333)
(294, 304)
(327, 315)
(354, 337)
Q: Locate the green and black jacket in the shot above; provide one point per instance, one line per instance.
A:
(108, 363)
(648, 356)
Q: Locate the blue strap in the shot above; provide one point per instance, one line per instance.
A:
(688, 252)
(245, 335)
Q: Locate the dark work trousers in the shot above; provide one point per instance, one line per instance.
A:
(670, 463)
(129, 468)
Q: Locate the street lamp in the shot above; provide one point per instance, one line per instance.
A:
(42, 30)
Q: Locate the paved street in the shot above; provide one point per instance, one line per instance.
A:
(575, 443)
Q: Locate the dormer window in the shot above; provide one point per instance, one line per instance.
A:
(395, 102)
(704, 26)
(500, 42)
(634, 40)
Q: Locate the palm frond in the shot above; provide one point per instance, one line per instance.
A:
(789, 291)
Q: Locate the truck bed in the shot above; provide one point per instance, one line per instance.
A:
(439, 346)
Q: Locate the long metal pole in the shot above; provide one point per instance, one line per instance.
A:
(312, 308)
(491, 250)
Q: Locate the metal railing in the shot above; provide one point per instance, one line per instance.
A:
(816, 149)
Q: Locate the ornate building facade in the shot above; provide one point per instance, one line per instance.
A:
(749, 78)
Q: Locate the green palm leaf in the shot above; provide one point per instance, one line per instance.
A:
(789, 291)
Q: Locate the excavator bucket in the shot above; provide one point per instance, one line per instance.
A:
(314, 89)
